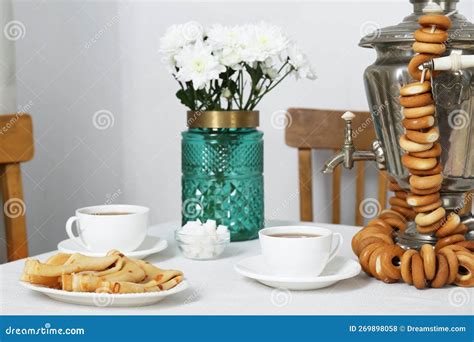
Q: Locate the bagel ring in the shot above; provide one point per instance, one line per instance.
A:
(466, 244)
(416, 200)
(419, 112)
(427, 35)
(395, 201)
(426, 182)
(416, 100)
(452, 263)
(418, 272)
(418, 163)
(419, 123)
(393, 186)
(438, 20)
(380, 222)
(449, 240)
(415, 88)
(391, 213)
(442, 272)
(405, 266)
(461, 229)
(433, 152)
(423, 192)
(376, 268)
(465, 273)
(411, 146)
(389, 255)
(437, 169)
(427, 219)
(429, 48)
(429, 207)
(430, 136)
(407, 213)
(449, 226)
(401, 194)
(430, 228)
(396, 223)
(415, 62)
(428, 255)
(365, 255)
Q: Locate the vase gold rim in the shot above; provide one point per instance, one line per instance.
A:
(222, 119)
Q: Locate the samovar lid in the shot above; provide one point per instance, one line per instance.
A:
(462, 30)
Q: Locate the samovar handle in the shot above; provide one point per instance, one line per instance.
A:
(348, 154)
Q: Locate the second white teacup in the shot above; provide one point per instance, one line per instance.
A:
(298, 251)
(104, 227)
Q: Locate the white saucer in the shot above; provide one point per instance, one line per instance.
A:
(151, 245)
(338, 269)
(106, 299)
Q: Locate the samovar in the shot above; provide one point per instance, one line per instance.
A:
(453, 91)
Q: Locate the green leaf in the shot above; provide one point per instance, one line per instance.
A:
(183, 97)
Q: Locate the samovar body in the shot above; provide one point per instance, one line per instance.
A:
(453, 92)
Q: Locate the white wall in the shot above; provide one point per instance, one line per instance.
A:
(81, 57)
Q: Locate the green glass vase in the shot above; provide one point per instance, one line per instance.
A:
(222, 174)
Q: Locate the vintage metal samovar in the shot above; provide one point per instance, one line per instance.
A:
(453, 92)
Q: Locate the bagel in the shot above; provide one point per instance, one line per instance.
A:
(393, 186)
(418, 163)
(380, 222)
(410, 146)
(396, 223)
(466, 244)
(465, 273)
(425, 191)
(449, 240)
(407, 213)
(419, 112)
(416, 100)
(395, 201)
(438, 20)
(378, 237)
(428, 255)
(391, 213)
(405, 266)
(430, 136)
(415, 88)
(452, 263)
(437, 169)
(430, 228)
(401, 194)
(433, 152)
(365, 255)
(391, 258)
(423, 219)
(376, 268)
(419, 123)
(428, 207)
(414, 64)
(442, 272)
(425, 182)
(418, 272)
(429, 48)
(461, 229)
(417, 200)
(428, 35)
(450, 224)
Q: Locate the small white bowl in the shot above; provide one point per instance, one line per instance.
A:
(201, 247)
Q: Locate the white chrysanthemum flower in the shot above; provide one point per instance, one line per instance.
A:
(298, 60)
(263, 43)
(226, 43)
(197, 64)
(178, 36)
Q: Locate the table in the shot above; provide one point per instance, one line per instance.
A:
(216, 289)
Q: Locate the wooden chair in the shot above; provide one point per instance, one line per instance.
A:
(310, 129)
(16, 146)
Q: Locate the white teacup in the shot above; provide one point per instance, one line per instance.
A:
(298, 251)
(105, 227)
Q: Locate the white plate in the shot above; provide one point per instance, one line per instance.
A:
(338, 269)
(151, 245)
(106, 299)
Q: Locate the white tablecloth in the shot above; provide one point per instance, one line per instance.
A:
(216, 289)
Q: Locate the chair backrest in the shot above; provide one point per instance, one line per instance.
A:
(16, 146)
(310, 129)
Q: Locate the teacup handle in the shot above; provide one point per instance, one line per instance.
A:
(69, 224)
(336, 249)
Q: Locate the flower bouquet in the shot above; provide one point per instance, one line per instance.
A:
(223, 73)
